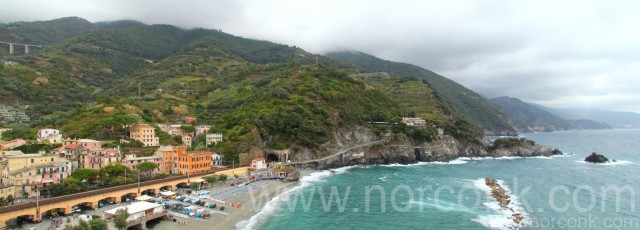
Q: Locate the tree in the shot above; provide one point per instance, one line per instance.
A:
(187, 128)
(178, 139)
(98, 224)
(86, 174)
(93, 224)
(120, 221)
(211, 179)
(146, 168)
(193, 185)
(113, 171)
(222, 177)
(10, 199)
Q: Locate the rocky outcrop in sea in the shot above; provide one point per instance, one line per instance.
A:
(596, 158)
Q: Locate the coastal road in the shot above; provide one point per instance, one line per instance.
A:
(336, 154)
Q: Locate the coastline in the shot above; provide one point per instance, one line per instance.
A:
(251, 203)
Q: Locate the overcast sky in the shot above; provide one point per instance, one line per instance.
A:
(555, 53)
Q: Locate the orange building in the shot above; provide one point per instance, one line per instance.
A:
(194, 162)
(170, 157)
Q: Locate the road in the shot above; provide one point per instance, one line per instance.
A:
(336, 154)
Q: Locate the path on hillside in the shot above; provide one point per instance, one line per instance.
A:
(335, 154)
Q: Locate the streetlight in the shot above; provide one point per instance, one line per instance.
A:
(138, 181)
(37, 202)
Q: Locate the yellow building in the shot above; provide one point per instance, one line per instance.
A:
(30, 171)
(145, 134)
(6, 190)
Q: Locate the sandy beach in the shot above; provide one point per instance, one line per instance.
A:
(250, 203)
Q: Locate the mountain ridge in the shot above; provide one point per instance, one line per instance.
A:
(526, 117)
(472, 105)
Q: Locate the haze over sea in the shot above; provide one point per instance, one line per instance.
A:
(557, 192)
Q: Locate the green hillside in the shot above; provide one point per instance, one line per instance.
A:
(463, 100)
(256, 93)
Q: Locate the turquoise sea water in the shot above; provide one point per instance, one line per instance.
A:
(552, 192)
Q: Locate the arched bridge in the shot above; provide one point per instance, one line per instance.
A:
(63, 204)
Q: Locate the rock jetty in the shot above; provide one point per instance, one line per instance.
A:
(504, 200)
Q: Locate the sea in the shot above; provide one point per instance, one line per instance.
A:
(558, 192)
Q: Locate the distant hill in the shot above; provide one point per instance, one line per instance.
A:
(44, 32)
(467, 102)
(526, 117)
(620, 120)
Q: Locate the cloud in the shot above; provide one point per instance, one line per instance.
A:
(555, 53)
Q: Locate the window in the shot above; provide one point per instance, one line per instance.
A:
(31, 161)
(52, 159)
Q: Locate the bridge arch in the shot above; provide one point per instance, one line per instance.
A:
(107, 201)
(53, 212)
(18, 221)
(150, 192)
(128, 197)
(166, 188)
(182, 185)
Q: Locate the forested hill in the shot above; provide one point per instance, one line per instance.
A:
(257, 93)
(463, 100)
(526, 117)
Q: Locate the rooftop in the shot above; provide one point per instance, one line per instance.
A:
(135, 207)
(87, 140)
(11, 153)
(142, 158)
(141, 126)
(27, 155)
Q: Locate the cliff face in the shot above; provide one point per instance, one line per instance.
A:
(360, 146)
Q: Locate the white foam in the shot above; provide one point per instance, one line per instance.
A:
(617, 162)
(404, 165)
(456, 161)
(512, 157)
(443, 206)
(501, 218)
(273, 205)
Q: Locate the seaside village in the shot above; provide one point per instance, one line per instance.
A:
(34, 177)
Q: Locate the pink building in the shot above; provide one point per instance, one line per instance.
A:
(258, 164)
(12, 144)
(89, 144)
(96, 159)
(200, 129)
(131, 161)
(55, 173)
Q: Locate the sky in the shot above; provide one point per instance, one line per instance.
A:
(561, 54)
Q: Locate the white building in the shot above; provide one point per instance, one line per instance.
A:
(138, 210)
(44, 133)
(216, 159)
(213, 138)
(258, 164)
(412, 121)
